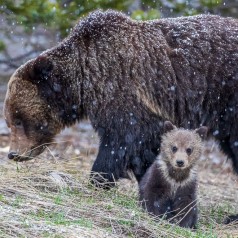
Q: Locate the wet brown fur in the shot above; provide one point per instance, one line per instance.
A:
(126, 76)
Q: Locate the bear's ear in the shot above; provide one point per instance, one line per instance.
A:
(202, 132)
(41, 68)
(168, 126)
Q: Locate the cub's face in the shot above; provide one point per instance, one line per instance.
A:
(29, 118)
(182, 148)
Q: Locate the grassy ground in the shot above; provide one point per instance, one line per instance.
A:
(51, 197)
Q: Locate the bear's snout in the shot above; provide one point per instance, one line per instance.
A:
(180, 163)
(12, 155)
(19, 158)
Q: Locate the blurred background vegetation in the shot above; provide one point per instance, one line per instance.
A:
(28, 26)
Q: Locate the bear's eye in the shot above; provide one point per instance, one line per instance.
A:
(18, 123)
(42, 128)
(189, 151)
(174, 149)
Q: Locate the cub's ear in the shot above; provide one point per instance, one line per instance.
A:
(202, 132)
(168, 126)
(41, 68)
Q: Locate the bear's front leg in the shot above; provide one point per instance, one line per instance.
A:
(139, 164)
(109, 166)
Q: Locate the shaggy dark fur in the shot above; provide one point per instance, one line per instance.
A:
(160, 198)
(125, 76)
(169, 186)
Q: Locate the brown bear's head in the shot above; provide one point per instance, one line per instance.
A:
(35, 107)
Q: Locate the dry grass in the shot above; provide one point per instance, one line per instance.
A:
(42, 203)
(51, 197)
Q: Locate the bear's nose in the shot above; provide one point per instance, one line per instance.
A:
(180, 163)
(12, 155)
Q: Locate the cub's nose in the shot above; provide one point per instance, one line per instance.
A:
(180, 163)
(12, 155)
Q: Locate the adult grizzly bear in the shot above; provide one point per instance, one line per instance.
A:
(125, 76)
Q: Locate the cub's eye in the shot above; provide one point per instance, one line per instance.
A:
(189, 151)
(18, 123)
(174, 149)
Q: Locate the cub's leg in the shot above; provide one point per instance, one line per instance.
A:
(155, 202)
(184, 207)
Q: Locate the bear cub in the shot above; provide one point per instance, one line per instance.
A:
(168, 189)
